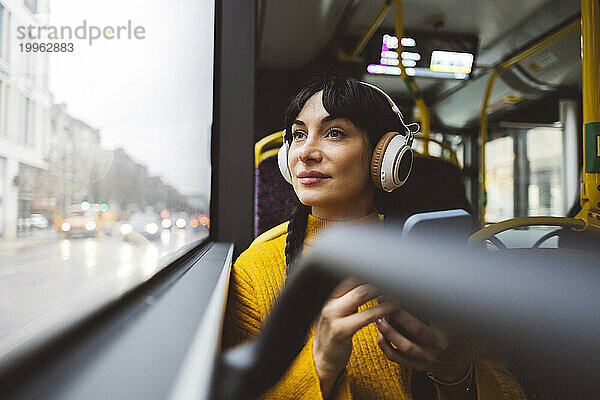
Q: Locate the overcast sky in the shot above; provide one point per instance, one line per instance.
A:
(151, 96)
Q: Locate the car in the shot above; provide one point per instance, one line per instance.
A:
(80, 223)
(39, 221)
(180, 220)
(145, 223)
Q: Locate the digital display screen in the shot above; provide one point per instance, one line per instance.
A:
(430, 55)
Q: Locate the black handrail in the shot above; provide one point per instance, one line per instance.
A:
(539, 306)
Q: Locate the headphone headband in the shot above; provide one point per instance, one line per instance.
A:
(409, 132)
(391, 161)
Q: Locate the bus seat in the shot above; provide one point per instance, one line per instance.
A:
(274, 198)
(434, 185)
(570, 239)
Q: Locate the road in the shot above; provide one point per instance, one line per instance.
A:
(50, 278)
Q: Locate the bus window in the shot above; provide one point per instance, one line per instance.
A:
(544, 154)
(442, 145)
(105, 121)
(456, 142)
(500, 181)
(525, 172)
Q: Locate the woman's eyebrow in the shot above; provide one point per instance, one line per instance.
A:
(330, 118)
(326, 119)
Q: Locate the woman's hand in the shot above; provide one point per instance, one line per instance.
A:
(338, 322)
(423, 347)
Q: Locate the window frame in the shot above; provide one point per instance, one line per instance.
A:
(189, 293)
(87, 330)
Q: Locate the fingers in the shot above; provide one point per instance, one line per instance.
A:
(407, 323)
(402, 345)
(354, 298)
(394, 355)
(354, 322)
(344, 287)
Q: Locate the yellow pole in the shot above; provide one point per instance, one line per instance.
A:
(360, 46)
(412, 86)
(483, 140)
(540, 45)
(590, 189)
(494, 229)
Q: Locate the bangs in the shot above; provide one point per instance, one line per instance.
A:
(347, 98)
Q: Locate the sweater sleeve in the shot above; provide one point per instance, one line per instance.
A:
(242, 316)
(494, 380)
(301, 380)
(243, 319)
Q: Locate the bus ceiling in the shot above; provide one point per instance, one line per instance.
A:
(299, 35)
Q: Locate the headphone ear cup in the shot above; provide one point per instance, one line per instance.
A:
(404, 165)
(377, 158)
(282, 155)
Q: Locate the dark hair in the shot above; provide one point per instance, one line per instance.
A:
(345, 98)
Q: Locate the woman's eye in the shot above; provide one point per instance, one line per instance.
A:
(297, 135)
(335, 133)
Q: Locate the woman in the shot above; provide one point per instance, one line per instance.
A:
(360, 346)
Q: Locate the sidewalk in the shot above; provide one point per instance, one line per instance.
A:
(30, 240)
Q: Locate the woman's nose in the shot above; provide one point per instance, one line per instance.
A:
(310, 150)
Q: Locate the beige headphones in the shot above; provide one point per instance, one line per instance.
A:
(392, 158)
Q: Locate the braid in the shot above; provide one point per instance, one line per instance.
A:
(296, 233)
(386, 204)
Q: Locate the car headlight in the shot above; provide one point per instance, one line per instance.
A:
(166, 223)
(66, 227)
(151, 228)
(90, 225)
(126, 229)
(180, 223)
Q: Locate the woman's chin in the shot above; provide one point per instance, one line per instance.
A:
(313, 199)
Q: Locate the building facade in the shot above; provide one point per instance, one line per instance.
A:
(25, 102)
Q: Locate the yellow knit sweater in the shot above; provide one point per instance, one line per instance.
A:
(256, 279)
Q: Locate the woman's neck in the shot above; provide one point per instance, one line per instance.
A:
(342, 214)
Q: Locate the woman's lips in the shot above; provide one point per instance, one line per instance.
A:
(312, 180)
(308, 177)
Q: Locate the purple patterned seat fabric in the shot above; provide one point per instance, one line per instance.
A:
(274, 198)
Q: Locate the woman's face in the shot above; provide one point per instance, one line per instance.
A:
(329, 163)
